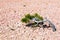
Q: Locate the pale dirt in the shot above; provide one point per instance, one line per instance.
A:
(11, 12)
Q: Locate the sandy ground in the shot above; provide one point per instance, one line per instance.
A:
(11, 12)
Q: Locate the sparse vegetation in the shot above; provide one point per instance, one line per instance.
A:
(36, 21)
(28, 17)
(25, 20)
(38, 16)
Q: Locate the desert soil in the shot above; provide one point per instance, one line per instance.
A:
(11, 12)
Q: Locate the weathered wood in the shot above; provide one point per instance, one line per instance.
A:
(51, 25)
(41, 23)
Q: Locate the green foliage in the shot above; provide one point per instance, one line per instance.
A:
(38, 16)
(25, 20)
(29, 17)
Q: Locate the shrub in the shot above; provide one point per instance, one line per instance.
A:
(28, 17)
(25, 20)
(38, 16)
